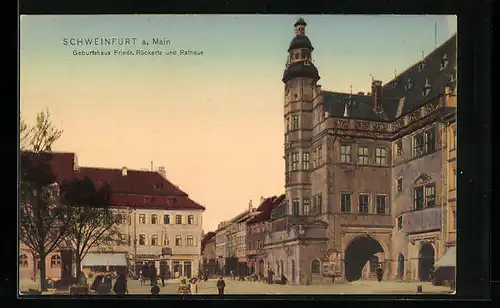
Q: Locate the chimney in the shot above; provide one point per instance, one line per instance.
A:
(124, 171)
(161, 171)
(376, 93)
(250, 206)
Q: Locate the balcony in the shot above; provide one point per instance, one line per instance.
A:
(422, 220)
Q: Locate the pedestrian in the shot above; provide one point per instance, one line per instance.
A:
(141, 277)
(193, 285)
(163, 275)
(155, 290)
(152, 274)
(120, 287)
(380, 273)
(221, 284)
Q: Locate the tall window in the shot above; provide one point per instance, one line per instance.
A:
(400, 222)
(363, 156)
(315, 267)
(154, 240)
(306, 207)
(399, 147)
(178, 240)
(455, 219)
(429, 141)
(189, 240)
(381, 204)
(154, 219)
(295, 161)
(295, 122)
(319, 203)
(345, 203)
(399, 185)
(142, 239)
(345, 154)
(142, 218)
(364, 203)
(424, 143)
(305, 161)
(315, 153)
(417, 145)
(320, 155)
(166, 219)
(295, 206)
(191, 220)
(430, 195)
(55, 261)
(287, 124)
(178, 219)
(418, 197)
(454, 178)
(23, 261)
(381, 157)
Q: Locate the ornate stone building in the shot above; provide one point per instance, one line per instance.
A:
(363, 173)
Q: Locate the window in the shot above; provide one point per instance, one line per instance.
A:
(394, 83)
(142, 218)
(178, 240)
(444, 62)
(421, 66)
(418, 198)
(166, 219)
(453, 141)
(345, 203)
(320, 155)
(426, 89)
(171, 201)
(315, 153)
(315, 267)
(23, 261)
(142, 239)
(399, 185)
(129, 219)
(400, 222)
(189, 240)
(154, 219)
(453, 76)
(287, 124)
(363, 156)
(345, 154)
(424, 143)
(318, 204)
(295, 161)
(430, 195)
(399, 147)
(287, 167)
(191, 220)
(129, 241)
(306, 207)
(154, 240)
(178, 219)
(364, 203)
(295, 206)
(55, 261)
(381, 200)
(295, 122)
(409, 84)
(455, 219)
(305, 161)
(381, 157)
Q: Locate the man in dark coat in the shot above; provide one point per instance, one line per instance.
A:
(380, 273)
(120, 287)
(152, 274)
(221, 284)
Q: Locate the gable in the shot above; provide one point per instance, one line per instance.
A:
(422, 178)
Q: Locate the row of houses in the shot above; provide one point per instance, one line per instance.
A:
(370, 179)
(159, 223)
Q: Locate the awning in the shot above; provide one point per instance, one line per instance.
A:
(105, 259)
(449, 259)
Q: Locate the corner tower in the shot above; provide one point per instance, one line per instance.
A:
(300, 79)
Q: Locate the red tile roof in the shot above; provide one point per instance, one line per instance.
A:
(265, 208)
(141, 189)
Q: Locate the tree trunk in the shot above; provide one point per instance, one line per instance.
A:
(78, 263)
(43, 284)
(34, 268)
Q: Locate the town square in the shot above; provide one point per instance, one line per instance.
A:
(236, 171)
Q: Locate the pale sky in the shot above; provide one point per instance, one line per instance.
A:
(215, 122)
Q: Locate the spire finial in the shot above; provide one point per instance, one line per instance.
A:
(372, 77)
(422, 54)
(395, 75)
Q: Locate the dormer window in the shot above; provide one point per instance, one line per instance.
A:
(409, 84)
(394, 83)
(427, 88)
(444, 62)
(421, 66)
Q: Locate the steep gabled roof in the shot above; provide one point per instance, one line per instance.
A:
(142, 189)
(206, 239)
(266, 207)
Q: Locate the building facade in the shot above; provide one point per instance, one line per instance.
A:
(365, 175)
(158, 222)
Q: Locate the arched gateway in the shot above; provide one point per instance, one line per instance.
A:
(425, 262)
(359, 251)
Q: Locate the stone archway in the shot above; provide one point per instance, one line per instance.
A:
(401, 266)
(425, 261)
(358, 253)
